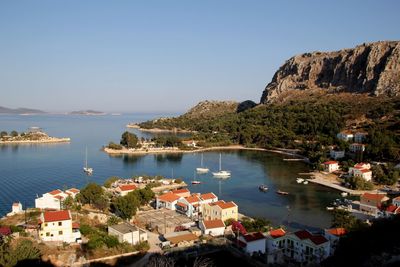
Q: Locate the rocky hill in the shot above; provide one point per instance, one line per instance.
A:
(4, 110)
(208, 109)
(372, 69)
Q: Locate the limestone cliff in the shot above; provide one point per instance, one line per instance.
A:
(372, 68)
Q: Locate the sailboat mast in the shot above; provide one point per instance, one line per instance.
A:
(201, 163)
(220, 168)
(86, 158)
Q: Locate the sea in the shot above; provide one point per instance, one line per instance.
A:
(29, 170)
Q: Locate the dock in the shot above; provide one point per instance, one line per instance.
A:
(337, 186)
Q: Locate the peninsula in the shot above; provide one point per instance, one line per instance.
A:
(33, 135)
(87, 113)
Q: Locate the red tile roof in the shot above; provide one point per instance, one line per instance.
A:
(253, 237)
(370, 196)
(192, 199)
(5, 230)
(213, 224)
(75, 225)
(392, 209)
(127, 187)
(277, 233)
(74, 190)
(303, 234)
(183, 205)
(364, 170)
(55, 192)
(169, 197)
(330, 162)
(318, 239)
(59, 197)
(337, 231)
(208, 196)
(181, 191)
(54, 216)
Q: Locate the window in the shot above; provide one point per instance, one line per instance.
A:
(47, 234)
(45, 224)
(60, 232)
(59, 223)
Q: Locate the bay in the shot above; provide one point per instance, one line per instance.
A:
(30, 170)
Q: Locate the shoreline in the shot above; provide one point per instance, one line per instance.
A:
(177, 150)
(45, 141)
(158, 130)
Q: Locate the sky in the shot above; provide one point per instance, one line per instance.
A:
(166, 56)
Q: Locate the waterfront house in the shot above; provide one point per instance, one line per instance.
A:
(212, 227)
(396, 201)
(361, 170)
(181, 239)
(51, 200)
(167, 200)
(275, 244)
(124, 189)
(220, 210)
(126, 232)
(359, 137)
(336, 154)
(371, 203)
(253, 242)
(72, 192)
(330, 166)
(345, 136)
(357, 147)
(334, 235)
(208, 198)
(184, 192)
(189, 143)
(57, 226)
(190, 206)
(16, 208)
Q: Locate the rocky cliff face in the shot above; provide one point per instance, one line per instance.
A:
(372, 68)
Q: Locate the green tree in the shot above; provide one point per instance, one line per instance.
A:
(129, 140)
(113, 220)
(90, 193)
(14, 133)
(110, 181)
(24, 249)
(126, 206)
(68, 203)
(3, 133)
(344, 219)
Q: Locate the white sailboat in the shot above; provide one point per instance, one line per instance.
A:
(202, 169)
(221, 173)
(86, 169)
(194, 181)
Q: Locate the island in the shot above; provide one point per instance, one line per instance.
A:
(87, 113)
(34, 135)
(20, 111)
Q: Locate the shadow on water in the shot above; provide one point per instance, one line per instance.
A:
(171, 158)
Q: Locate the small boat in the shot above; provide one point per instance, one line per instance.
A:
(86, 169)
(221, 173)
(330, 208)
(299, 180)
(202, 169)
(344, 194)
(282, 192)
(305, 182)
(196, 182)
(263, 188)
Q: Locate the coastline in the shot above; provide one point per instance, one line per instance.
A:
(177, 150)
(44, 141)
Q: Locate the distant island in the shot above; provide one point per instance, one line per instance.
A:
(87, 112)
(34, 135)
(20, 111)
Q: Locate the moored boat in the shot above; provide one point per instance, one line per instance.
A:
(263, 188)
(299, 180)
(280, 192)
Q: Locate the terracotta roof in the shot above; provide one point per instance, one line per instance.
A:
(346, 132)
(169, 197)
(192, 199)
(55, 192)
(208, 196)
(277, 233)
(392, 208)
(59, 197)
(318, 239)
(183, 205)
(5, 230)
(253, 237)
(370, 196)
(330, 162)
(226, 205)
(397, 198)
(213, 224)
(75, 225)
(337, 231)
(73, 190)
(364, 170)
(180, 237)
(127, 187)
(303, 234)
(180, 191)
(54, 216)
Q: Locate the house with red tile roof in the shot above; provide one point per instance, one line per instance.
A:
(167, 200)
(275, 243)
(220, 210)
(330, 166)
(190, 206)
(184, 192)
(72, 192)
(124, 189)
(371, 203)
(208, 198)
(334, 235)
(53, 199)
(253, 242)
(58, 226)
(361, 170)
(212, 227)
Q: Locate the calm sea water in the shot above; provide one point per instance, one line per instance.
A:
(30, 170)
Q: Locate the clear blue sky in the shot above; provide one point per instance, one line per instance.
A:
(168, 55)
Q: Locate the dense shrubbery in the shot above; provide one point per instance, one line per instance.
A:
(93, 194)
(255, 225)
(358, 183)
(115, 146)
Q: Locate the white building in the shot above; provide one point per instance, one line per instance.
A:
(275, 245)
(254, 242)
(58, 226)
(357, 147)
(336, 154)
(361, 170)
(167, 200)
(126, 232)
(53, 200)
(331, 166)
(16, 208)
(334, 235)
(345, 135)
(123, 190)
(212, 227)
